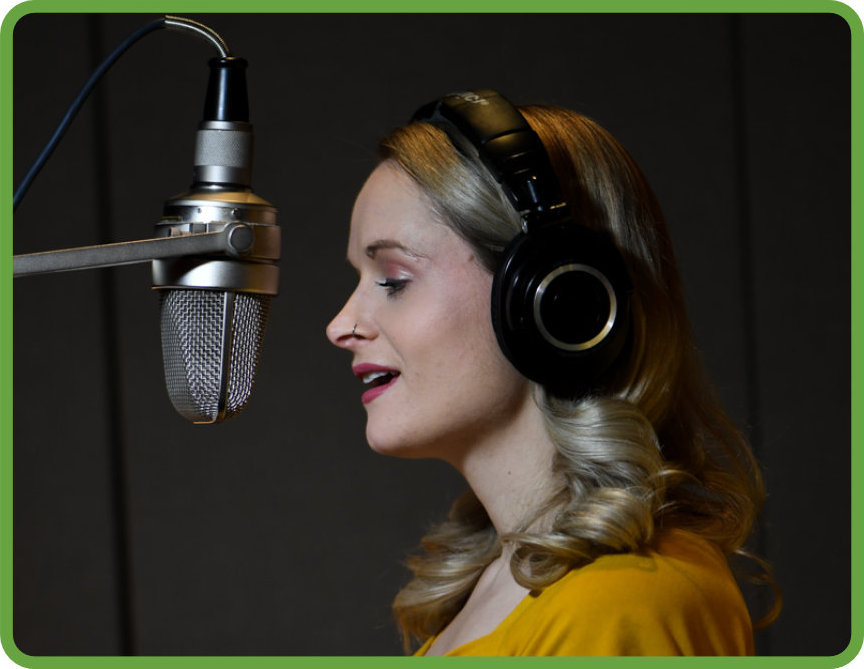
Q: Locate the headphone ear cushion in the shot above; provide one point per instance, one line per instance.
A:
(561, 306)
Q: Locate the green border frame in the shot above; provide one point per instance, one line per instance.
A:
(16, 12)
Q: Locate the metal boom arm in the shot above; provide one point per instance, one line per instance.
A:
(233, 239)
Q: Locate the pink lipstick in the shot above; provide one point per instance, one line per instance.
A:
(378, 378)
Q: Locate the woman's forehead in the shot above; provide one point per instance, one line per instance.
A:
(391, 211)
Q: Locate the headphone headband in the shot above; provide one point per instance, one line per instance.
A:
(506, 145)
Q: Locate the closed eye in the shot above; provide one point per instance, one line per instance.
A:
(393, 286)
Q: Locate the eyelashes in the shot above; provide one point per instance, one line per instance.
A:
(393, 286)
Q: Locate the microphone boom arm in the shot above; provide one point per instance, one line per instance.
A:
(234, 239)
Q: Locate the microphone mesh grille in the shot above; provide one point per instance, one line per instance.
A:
(211, 343)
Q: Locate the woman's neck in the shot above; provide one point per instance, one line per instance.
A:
(510, 470)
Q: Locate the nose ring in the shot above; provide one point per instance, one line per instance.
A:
(354, 330)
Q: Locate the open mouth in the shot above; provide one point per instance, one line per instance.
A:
(377, 379)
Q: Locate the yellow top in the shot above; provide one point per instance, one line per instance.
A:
(677, 598)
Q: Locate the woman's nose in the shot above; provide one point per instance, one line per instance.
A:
(345, 328)
(339, 330)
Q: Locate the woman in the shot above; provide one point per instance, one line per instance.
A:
(602, 509)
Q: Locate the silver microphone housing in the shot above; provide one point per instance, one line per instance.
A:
(214, 309)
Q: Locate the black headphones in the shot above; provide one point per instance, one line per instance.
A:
(561, 295)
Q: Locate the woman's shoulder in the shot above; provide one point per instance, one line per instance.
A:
(678, 565)
(677, 597)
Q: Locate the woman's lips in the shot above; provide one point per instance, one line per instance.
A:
(381, 377)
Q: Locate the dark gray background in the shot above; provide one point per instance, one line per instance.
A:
(279, 532)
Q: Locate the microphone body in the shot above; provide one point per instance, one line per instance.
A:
(214, 309)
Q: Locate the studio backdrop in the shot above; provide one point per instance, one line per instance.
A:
(279, 532)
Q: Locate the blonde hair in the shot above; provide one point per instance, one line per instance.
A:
(652, 448)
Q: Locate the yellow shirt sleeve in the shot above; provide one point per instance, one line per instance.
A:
(679, 598)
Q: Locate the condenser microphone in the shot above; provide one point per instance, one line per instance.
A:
(214, 309)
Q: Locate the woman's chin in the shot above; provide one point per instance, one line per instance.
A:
(396, 446)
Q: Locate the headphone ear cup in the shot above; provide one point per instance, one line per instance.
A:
(561, 306)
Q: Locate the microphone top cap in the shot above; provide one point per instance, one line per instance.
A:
(227, 97)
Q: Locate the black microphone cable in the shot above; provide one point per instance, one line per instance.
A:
(169, 22)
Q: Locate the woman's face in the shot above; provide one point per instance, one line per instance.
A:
(435, 380)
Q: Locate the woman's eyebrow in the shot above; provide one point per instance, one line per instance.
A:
(380, 244)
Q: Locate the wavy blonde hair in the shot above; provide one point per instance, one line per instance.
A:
(653, 447)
